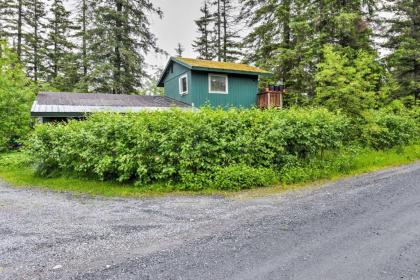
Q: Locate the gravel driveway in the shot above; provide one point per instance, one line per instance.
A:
(366, 227)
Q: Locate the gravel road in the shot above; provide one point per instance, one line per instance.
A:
(365, 227)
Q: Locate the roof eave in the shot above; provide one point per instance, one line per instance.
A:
(206, 69)
(162, 76)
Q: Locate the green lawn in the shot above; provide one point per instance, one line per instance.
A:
(17, 171)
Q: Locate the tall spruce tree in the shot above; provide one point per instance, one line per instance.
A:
(82, 34)
(344, 23)
(227, 46)
(403, 40)
(58, 42)
(84, 19)
(287, 36)
(230, 46)
(179, 50)
(281, 40)
(118, 41)
(34, 51)
(6, 11)
(12, 14)
(204, 43)
(218, 28)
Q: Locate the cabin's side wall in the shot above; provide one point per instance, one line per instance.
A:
(242, 91)
(172, 83)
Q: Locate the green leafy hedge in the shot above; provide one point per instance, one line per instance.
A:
(185, 147)
(225, 150)
(385, 128)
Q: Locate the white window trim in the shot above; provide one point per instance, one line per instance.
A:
(227, 84)
(180, 84)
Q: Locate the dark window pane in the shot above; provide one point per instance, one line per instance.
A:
(218, 84)
(184, 84)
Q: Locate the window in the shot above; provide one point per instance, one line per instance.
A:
(218, 84)
(183, 85)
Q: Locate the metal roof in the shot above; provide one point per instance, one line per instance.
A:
(64, 104)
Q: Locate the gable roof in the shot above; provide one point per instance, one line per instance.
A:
(213, 66)
(65, 104)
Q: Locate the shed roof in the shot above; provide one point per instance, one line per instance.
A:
(64, 104)
(213, 66)
(228, 66)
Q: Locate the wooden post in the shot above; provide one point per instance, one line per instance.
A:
(281, 100)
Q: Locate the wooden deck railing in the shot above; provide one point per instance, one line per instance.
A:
(270, 99)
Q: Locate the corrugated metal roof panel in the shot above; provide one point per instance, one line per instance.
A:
(100, 99)
(77, 104)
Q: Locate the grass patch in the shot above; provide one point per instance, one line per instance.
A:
(351, 161)
(360, 162)
(16, 169)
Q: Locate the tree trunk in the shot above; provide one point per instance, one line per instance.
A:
(416, 35)
(206, 33)
(84, 46)
(36, 41)
(286, 38)
(118, 38)
(219, 27)
(224, 32)
(55, 59)
(19, 29)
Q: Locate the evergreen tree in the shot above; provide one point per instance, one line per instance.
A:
(281, 40)
(288, 36)
(403, 39)
(218, 30)
(344, 23)
(58, 42)
(231, 48)
(228, 49)
(351, 85)
(82, 34)
(12, 23)
(84, 23)
(34, 52)
(6, 10)
(118, 41)
(179, 50)
(204, 43)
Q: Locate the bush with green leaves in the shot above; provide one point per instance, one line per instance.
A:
(230, 178)
(385, 130)
(178, 147)
(16, 96)
(389, 127)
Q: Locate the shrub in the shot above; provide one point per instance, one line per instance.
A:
(231, 178)
(14, 160)
(16, 96)
(385, 129)
(153, 147)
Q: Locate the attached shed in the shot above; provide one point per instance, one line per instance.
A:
(53, 106)
(202, 82)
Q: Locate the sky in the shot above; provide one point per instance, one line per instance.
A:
(177, 26)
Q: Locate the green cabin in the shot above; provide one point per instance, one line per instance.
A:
(218, 84)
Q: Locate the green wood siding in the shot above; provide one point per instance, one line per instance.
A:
(172, 83)
(242, 91)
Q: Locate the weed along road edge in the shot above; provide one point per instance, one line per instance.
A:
(365, 227)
